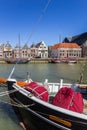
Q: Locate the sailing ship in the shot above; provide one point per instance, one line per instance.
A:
(18, 59)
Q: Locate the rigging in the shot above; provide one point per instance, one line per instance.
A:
(38, 20)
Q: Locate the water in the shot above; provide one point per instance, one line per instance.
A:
(38, 72)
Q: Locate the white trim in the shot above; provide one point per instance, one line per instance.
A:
(62, 110)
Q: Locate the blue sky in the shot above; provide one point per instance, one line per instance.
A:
(41, 20)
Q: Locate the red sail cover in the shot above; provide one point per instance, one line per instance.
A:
(37, 90)
(69, 99)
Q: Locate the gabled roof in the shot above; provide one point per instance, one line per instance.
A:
(67, 39)
(38, 44)
(2, 45)
(8, 45)
(32, 46)
(79, 39)
(65, 45)
(25, 46)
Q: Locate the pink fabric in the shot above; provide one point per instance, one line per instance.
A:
(38, 90)
(68, 99)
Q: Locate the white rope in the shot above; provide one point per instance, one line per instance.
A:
(7, 92)
(14, 103)
(71, 102)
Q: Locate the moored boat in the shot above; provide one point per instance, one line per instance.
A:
(55, 61)
(39, 112)
(71, 61)
(18, 61)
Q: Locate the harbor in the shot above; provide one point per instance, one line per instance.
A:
(43, 65)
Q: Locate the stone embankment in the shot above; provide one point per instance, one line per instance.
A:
(47, 60)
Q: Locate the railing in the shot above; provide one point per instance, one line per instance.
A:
(54, 87)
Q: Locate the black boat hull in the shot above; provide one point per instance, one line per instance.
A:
(37, 116)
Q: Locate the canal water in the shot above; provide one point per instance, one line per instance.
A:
(38, 72)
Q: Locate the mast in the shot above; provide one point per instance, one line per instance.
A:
(19, 46)
(82, 73)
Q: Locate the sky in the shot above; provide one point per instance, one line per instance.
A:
(41, 20)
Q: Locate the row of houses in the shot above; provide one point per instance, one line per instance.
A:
(40, 50)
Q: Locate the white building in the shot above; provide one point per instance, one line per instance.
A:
(1, 51)
(41, 50)
(7, 51)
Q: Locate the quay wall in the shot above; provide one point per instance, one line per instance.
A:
(47, 60)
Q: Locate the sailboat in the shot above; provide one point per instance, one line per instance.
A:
(18, 59)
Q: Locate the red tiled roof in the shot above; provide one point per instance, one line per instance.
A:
(65, 45)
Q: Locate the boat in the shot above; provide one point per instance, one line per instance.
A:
(55, 61)
(35, 105)
(72, 61)
(17, 60)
